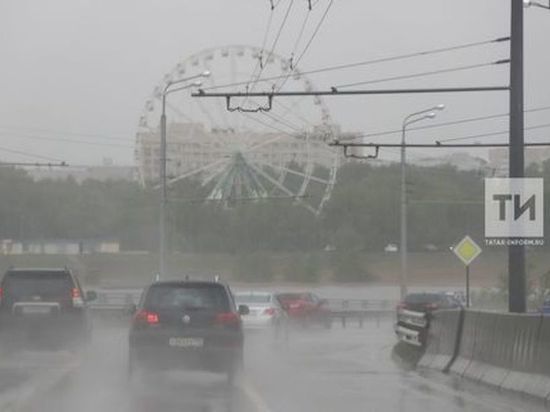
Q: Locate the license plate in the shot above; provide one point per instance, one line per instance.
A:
(186, 342)
(36, 310)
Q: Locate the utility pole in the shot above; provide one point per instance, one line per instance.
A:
(516, 253)
(403, 244)
(162, 214)
(163, 158)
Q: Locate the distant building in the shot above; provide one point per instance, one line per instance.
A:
(58, 247)
(107, 171)
(459, 160)
(193, 148)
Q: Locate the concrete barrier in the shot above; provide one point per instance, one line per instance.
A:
(526, 376)
(483, 346)
(443, 334)
(541, 384)
(498, 358)
(466, 343)
(507, 351)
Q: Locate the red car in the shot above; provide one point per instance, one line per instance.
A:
(306, 308)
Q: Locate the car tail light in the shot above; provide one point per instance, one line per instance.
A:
(432, 306)
(1, 295)
(228, 319)
(146, 317)
(401, 305)
(269, 311)
(77, 298)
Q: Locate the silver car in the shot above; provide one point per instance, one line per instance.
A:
(265, 310)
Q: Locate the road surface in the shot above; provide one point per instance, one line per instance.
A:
(319, 370)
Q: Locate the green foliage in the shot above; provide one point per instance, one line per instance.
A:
(361, 216)
(348, 266)
(303, 268)
(253, 267)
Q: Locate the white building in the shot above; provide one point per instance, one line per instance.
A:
(58, 247)
(192, 149)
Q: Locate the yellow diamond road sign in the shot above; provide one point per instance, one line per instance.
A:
(467, 250)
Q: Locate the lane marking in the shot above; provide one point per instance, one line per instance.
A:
(45, 380)
(254, 396)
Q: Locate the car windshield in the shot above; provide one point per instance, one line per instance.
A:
(287, 297)
(25, 285)
(253, 298)
(173, 297)
(424, 298)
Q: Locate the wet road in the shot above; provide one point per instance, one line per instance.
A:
(320, 370)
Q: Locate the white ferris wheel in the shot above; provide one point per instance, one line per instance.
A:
(281, 153)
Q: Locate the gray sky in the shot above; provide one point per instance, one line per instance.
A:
(83, 69)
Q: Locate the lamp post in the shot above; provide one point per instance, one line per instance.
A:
(410, 119)
(529, 3)
(168, 89)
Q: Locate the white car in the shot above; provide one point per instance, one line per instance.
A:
(265, 310)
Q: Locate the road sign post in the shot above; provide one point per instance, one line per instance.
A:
(467, 250)
(467, 286)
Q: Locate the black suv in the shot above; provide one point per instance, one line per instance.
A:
(43, 308)
(188, 325)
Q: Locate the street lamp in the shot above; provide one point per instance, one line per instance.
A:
(529, 3)
(163, 199)
(410, 119)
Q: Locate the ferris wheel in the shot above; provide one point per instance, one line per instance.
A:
(281, 153)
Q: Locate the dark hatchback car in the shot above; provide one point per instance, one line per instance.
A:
(428, 302)
(43, 308)
(192, 325)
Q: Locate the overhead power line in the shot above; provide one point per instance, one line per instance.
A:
(427, 73)
(31, 164)
(66, 140)
(28, 154)
(299, 38)
(262, 63)
(444, 124)
(499, 133)
(63, 132)
(369, 62)
(308, 44)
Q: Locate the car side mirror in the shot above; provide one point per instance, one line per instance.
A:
(91, 296)
(244, 310)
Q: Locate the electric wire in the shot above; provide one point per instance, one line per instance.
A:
(367, 62)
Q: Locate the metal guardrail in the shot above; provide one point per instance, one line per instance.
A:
(360, 309)
(115, 299)
(360, 305)
(343, 309)
(412, 327)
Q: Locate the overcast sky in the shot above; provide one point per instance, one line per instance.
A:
(81, 70)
